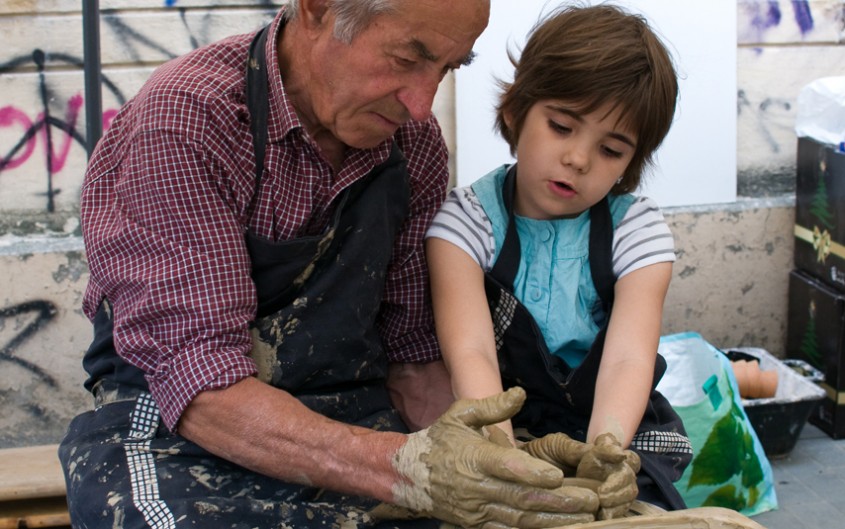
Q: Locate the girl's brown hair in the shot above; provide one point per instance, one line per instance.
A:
(590, 56)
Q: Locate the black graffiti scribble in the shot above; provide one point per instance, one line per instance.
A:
(45, 312)
(57, 59)
(47, 121)
(763, 114)
(132, 41)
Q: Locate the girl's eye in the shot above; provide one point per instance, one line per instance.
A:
(611, 152)
(557, 127)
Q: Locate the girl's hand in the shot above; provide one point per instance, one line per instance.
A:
(605, 462)
(617, 469)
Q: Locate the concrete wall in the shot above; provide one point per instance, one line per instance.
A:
(733, 259)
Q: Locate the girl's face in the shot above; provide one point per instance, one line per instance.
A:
(568, 161)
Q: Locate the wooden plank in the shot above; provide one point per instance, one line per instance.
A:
(31, 472)
(42, 512)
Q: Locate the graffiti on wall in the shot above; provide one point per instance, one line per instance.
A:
(38, 139)
(767, 115)
(763, 15)
(45, 136)
(43, 312)
(782, 46)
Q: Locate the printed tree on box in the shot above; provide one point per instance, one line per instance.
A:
(819, 206)
(810, 342)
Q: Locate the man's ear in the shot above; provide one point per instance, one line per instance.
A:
(314, 14)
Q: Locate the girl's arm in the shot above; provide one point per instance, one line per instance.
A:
(630, 350)
(463, 323)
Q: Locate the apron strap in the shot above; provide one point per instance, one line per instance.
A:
(601, 245)
(258, 103)
(601, 252)
(507, 263)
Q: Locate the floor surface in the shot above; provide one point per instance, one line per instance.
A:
(810, 484)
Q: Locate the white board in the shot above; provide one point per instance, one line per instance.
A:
(696, 163)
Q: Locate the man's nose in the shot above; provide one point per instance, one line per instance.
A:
(418, 97)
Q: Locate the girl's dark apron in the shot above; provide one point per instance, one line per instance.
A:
(560, 398)
(315, 336)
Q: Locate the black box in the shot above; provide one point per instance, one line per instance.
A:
(779, 420)
(816, 334)
(820, 212)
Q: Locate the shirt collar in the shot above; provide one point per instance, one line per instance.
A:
(283, 119)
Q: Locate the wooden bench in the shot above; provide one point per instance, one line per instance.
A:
(32, 488)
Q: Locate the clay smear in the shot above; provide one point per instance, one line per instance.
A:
(408, 462)
(699, 518)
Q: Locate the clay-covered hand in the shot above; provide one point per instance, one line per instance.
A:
(558, 449)
(616, 469)
(605, 462)
(452, 472)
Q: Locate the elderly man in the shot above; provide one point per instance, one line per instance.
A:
(253, 221)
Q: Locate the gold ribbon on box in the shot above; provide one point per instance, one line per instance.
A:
(822, 242)
(837, 396)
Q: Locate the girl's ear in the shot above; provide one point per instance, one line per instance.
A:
(508, 118)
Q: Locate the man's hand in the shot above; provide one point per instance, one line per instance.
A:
(605, 461)
(451, 471)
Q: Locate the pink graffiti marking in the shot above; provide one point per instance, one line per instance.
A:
(58, 160)
(11, 117)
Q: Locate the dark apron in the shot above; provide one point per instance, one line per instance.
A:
(315, 336)
(560, 398)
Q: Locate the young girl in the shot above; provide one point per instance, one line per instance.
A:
(527, 262)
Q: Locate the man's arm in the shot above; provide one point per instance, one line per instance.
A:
(449, 471)
(269, 431)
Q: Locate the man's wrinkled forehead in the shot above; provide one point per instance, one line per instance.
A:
(458, 21)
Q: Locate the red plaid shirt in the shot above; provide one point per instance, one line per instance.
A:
(165, 206)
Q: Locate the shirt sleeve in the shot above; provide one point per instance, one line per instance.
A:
(166, 248)
(642, 238)
(406, 321)
(462, 221)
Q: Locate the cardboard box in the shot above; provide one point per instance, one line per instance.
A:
(820, 212)
(816, 334)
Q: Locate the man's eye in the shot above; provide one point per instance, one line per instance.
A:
(403, 62)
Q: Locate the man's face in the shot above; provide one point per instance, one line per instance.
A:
(363, 91)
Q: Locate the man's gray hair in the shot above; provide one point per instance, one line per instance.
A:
(353, 16)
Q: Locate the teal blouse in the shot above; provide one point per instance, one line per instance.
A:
(553, 280)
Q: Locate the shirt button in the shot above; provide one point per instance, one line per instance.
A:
(546, 235)
(536, 294)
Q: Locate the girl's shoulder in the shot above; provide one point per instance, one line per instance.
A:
(627, 206)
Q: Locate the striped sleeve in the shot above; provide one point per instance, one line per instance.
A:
(642, 238)
(462, 221)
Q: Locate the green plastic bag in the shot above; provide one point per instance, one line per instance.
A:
(729, 467)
